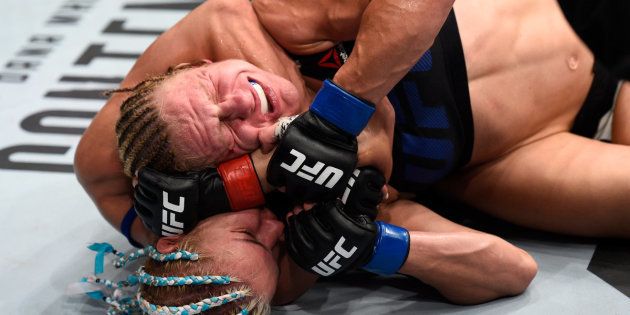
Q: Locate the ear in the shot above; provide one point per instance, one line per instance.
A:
(168, 244)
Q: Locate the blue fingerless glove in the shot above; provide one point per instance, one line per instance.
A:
(390, 249)
(342, 109)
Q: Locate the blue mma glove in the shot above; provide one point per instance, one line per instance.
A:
(318, 152)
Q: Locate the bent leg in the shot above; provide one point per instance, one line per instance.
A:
(464, 265)
(563, 183)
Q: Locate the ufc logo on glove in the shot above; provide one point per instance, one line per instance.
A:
(309, 172)
(330, 263)
(170, 225)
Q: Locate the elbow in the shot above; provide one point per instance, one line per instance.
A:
(80, 163)
(523, 273)
(509, 278)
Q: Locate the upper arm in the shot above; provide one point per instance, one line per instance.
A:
(98, 168)
(314, 25)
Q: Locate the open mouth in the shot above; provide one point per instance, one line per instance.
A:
(264, 102)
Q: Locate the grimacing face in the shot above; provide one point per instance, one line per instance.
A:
(222, 110)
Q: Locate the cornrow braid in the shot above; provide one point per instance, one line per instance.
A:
(193, 308)
(235, 299)
(141, 134)
(142, 138)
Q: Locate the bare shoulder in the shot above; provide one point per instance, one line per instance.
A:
(304, 27)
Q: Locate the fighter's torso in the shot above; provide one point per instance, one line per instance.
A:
(528, 72)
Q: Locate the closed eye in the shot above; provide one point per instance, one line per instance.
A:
(251, 239)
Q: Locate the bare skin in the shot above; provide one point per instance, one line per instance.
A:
(465, 265)
(577, 186)
(546, 83)
(234, 24)
(522, 128)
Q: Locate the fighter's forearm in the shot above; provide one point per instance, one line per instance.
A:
(392, 36)
(469, 267)
(293, 281)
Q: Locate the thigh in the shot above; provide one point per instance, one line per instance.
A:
(563, 183)
(621, 117)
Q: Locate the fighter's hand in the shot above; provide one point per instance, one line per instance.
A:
(325, 240)
(174, 204)
(318, 152)
(364, 192)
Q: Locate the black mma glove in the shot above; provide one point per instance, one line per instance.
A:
(325, 240)
(364, 192)
(331, 238)
(174, 204)
(318, 152)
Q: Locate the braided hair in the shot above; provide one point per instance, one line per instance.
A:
(166, 291)
(198, 291)
(141, 133)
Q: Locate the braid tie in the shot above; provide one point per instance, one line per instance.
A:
(131, 281)
(156, 281)
(193, 308)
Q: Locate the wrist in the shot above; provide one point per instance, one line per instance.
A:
(260, 162)
(241, 183)
(342, 109)
(390, 249)
(136, 233)
(141, 234)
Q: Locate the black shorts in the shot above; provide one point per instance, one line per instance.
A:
(434, 127)
(599, 100)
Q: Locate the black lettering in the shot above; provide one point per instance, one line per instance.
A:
(89, 94)
(117, 27)
(22, 65)
(7, 164)
(34, 52)
(70, 78)
(76, 6)
(13, 77)
(33, 123)
(180, 5)
(64, 19)
(97, 94)
(46, 39)
(96, 50)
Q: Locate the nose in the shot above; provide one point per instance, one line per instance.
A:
(270, 229)
(242, 103)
